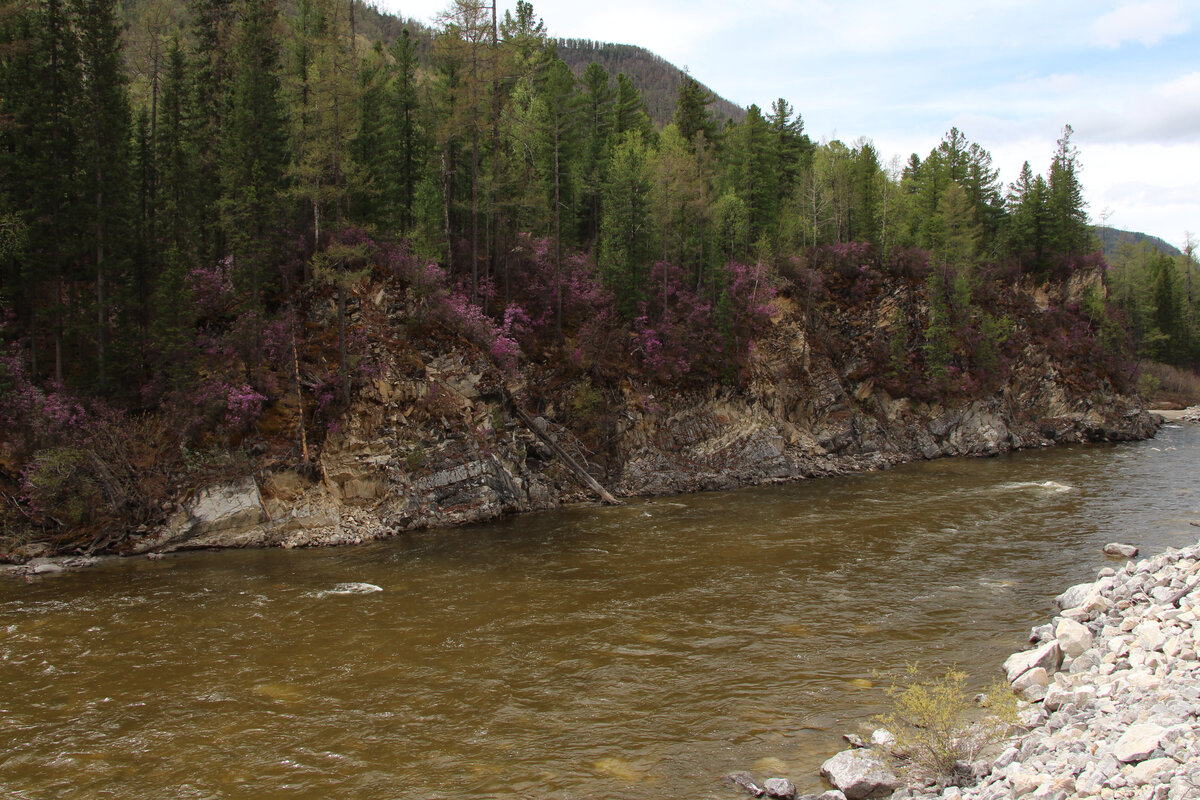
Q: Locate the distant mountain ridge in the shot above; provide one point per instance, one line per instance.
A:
(655, 77)
(1112, 239)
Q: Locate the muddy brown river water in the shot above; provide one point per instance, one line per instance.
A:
(635, 652)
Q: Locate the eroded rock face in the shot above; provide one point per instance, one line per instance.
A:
(219, 516)
(433, 440)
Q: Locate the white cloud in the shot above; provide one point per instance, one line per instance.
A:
(1146, 22)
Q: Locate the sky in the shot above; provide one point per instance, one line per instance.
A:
(1008, 73)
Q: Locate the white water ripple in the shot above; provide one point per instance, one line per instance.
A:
(1049, 487)
(348, 588)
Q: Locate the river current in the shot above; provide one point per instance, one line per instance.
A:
(634, 652)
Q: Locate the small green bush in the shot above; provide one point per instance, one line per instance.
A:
(586, 401)
(938, 727)
(63, 482)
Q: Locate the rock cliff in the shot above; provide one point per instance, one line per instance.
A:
(434, 439)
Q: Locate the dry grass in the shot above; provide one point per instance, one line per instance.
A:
(1164, 386)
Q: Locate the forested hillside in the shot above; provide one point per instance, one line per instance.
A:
(193, 210)
(1112, 240)
(656, 78)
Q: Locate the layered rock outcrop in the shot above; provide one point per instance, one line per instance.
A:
(435, 441)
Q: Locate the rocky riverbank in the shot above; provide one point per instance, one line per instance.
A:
(1111, 693)
(441, 437)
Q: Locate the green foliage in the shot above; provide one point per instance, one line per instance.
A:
(585, 401)
(939, 342)
(63, 484)
(692, 116)
(414, 459)
(938, 727)
(1157, 296)
(1148, 385)
(626, 246)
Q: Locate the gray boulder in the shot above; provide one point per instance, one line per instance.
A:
(780, 788)
(1138, 742)
(859, 774)
(1075, 596)
(1048, 657)
(1073, 637)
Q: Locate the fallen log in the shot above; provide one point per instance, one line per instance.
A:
(573, 465)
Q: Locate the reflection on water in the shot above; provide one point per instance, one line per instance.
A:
(592, 652)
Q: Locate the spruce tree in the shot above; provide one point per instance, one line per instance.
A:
(405, 141)
(626, 243)
(253, 161)
(692, 115)
(1069, 232)
(104, 125)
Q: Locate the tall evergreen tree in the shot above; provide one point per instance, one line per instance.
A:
(405, 144)
(692, 115)
(104, 124)
(40, 168)
(1069, 232)
(596, 120)
(253, 161)
(629, 109)
(212, 24)
(626, 241)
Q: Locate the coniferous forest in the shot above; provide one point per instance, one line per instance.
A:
(193, 200)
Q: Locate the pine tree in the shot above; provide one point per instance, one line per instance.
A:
(322, 88)
(558, 126)
(793, 148)
(212, 25)
(1026, 205)
(754, 174)
(629, 110)
(41, 176)
(596, 120)
(180, 216)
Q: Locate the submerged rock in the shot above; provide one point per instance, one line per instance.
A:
(1122, 550)
(780, 788)
(745, 781)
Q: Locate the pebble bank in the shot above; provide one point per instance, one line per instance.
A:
(1113, 692)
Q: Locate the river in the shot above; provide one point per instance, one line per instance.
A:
(634, 652)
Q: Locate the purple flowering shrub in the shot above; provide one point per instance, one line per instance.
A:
(82, 462)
